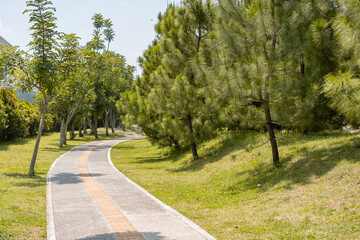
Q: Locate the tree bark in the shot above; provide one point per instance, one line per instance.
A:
(191, 131)
(107, 122)
(65, 138)
(72, 132)
(85, 124)
(95, 126)
(270, 128)
(80, 130)
(71, 114)
(62, 130)
(112, 121)
(91, 125)
(175, 142)
(37, 143)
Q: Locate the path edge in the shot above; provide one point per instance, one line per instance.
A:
(164, 205)
(50, 228)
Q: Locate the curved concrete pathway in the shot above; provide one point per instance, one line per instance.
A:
(88, 198)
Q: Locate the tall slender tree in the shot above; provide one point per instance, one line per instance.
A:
(41, 72)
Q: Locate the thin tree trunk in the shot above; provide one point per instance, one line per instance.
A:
(66, 131)
(270, 128)
(71, 114)
(72, 132)
(175, 142)
(107, 122)
(62, 130)
(193, 144)
(274, 147)
(91, 125)
(37, 144)
(112, 121)
(85, 124)
(80, 130)
(95, 126)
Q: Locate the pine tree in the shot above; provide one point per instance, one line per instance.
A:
(179, 85)
(343, 86)
(269, 61)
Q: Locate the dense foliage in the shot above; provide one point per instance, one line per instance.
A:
(260, 64)
(18, 119)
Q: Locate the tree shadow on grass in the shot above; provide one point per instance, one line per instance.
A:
(4, 146)
(174, 155)
(216, 152)
(29, 181)
(314, 163)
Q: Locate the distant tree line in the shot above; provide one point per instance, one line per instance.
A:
(240, 64)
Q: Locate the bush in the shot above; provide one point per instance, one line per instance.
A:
(19, 119)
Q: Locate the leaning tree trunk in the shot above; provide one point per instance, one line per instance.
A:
(70, 116)
(37, 144)
(191, 131)
(274, 147)
(107, 122)
(270, 127)
(269, 124)
(62, 131)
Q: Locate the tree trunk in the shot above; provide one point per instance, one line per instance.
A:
(112, 121)
(66, 131)
(80, 130)
(193, 144)
(274, 147)
(91, 125)
(37, 144)
(85, 124)
(62, 131)
(70, 115)
(175, 142)
(107, 122)
(95, 126)
(72, 133)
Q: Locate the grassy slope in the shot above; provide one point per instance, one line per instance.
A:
(237, 194)
(22, 198)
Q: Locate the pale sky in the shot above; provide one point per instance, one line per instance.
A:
(133, 22)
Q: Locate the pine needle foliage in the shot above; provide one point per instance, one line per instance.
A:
(266, 63)
(180, 84)
(343, 86)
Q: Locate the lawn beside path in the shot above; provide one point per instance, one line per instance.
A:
(23, 198)
(235, 193)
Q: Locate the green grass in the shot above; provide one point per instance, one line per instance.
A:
(234, 193)
(23, 198)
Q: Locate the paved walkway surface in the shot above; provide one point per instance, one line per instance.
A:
(88, 198)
